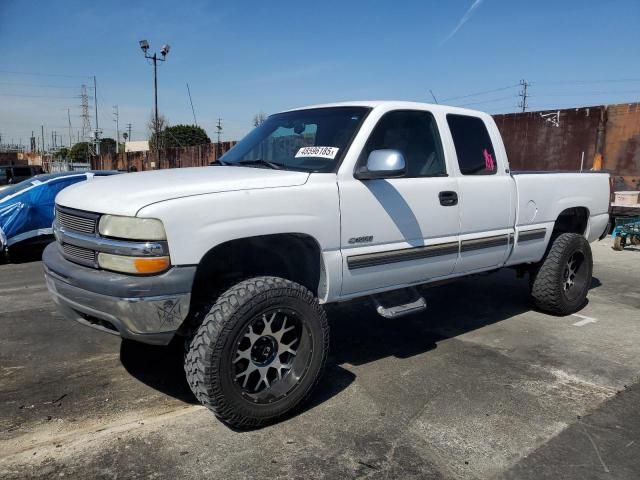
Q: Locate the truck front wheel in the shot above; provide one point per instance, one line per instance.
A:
(259, 351)
(560, 282)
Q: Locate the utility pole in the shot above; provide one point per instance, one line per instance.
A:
(219, 146)
(129, 130)
(69, 117)
(95, 103)
(523, 94)
(42, 128)
(115, 114)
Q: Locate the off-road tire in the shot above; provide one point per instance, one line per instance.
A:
(635, 240)
(548, 278)
(213, 345)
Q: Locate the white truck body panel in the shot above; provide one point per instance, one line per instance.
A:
(202, 208)
(132, 192)
(539, 207)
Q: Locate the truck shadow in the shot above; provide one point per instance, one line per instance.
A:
(360, 336)
(26, 252)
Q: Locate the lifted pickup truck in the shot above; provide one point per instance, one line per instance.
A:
(316, 205)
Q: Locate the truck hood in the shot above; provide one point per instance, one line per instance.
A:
(127, 194)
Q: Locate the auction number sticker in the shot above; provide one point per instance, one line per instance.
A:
(322, 152)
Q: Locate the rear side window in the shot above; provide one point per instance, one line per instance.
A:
(473, 145)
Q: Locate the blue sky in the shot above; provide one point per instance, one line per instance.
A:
(244, 57)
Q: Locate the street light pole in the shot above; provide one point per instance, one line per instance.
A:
(164, 51)
(155, 89)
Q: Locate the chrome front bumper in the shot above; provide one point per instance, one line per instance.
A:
(149, 318)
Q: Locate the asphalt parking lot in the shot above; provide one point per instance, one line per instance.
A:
(478, 386)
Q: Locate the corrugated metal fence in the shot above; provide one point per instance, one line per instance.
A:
(599, 137)
(196, 156)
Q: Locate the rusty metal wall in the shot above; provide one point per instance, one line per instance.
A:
(622, 145)
(534, 142)
(196, 156)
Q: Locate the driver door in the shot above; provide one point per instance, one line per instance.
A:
(399, 231)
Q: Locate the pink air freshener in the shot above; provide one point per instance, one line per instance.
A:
(489, 164)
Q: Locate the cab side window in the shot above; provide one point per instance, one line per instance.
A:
(413, 133)
(473, 145)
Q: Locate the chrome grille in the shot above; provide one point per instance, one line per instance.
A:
(79, 255)
(76, 223)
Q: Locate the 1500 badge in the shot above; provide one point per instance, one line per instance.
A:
(365, 239)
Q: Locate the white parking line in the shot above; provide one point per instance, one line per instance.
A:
(585, 320)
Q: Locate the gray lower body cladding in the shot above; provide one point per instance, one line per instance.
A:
(147, 309)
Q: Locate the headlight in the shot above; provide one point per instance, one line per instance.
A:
(135, 265)
(132, 228)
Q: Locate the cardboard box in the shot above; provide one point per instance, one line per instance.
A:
(627, 198)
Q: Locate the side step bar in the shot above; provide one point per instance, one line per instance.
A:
(410, 305)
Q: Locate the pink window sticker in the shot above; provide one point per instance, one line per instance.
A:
(489, 164)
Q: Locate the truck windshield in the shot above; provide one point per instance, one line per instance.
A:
(312, 140)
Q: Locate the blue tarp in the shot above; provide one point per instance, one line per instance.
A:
(26, 209)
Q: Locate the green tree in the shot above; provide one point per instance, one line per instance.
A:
(80, 151)
(63, 152)
(184, 136)
(107, 145)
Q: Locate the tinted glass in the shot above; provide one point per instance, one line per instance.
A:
(473, 145)
(22, 172)
(282, 139)
(415, 135)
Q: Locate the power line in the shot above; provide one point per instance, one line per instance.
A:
(32, 96)
(589, 82)
(42, 74)
(487, 101)
(481, 93)
(557, 94)
(529, 84)
(32, 85)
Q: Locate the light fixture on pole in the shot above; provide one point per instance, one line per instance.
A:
(164, 51)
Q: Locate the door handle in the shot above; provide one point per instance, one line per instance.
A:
(448, 198)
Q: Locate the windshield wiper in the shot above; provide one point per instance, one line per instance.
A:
(272, 165)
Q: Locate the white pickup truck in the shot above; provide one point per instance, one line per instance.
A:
(316, 205)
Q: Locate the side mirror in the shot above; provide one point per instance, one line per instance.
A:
(382, 164)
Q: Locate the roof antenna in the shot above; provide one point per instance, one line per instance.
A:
(434, 97)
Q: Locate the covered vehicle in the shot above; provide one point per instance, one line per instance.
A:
(27, 207)
(12, 174)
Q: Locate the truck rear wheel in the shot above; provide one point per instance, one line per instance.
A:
(560, 283)
(259, 351)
